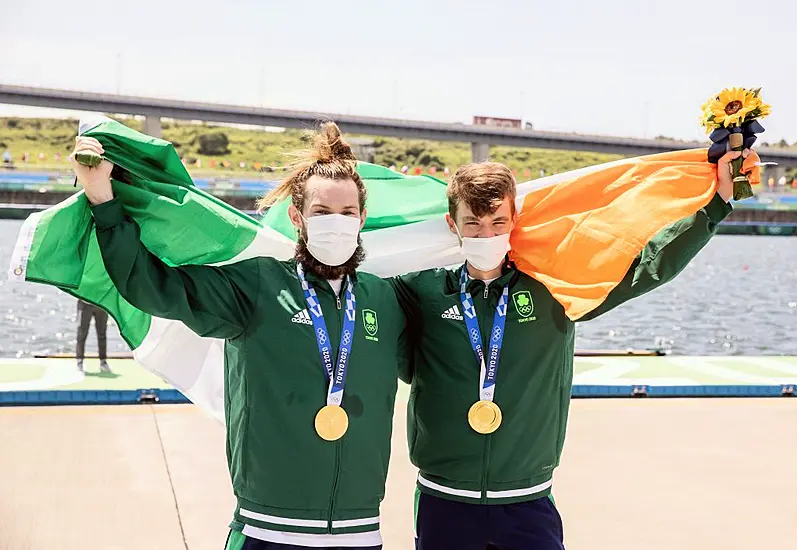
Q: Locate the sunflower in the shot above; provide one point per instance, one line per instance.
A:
(731, 106)
(707, 118)
(764, 109)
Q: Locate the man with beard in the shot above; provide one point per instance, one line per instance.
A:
(308, 466)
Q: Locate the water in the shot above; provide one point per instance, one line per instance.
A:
(38, 318)
(738, 297)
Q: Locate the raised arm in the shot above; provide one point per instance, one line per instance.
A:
(211, 301)
(666, 255)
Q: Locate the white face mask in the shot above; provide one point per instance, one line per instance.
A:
(484, 254)
(332, 238)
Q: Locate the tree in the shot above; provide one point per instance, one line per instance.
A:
(214, 144)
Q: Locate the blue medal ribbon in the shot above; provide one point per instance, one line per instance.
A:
(337, 375)
(488, 366)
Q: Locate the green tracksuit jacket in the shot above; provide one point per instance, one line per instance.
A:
(291, 485)
(535, 371)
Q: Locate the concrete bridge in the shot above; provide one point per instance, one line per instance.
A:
(480, 137)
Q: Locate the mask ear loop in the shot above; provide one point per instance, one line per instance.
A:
(459, 235)
(299, 230)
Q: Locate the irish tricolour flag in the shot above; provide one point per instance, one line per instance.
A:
(578, 233)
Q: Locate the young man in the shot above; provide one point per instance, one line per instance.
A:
(85, 312)
(494, 365)
(308, 465)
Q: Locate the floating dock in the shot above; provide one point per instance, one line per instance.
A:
(56, 381)
(656, 474)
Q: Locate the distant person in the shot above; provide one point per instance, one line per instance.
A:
(7, 157)
(85, 311)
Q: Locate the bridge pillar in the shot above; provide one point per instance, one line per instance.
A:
(152, 126)
(479, 152)
(773, 173)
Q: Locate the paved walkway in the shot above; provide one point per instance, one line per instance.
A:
(636, 475)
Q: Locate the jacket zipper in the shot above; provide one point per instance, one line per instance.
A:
(485, 467)
(334, 487)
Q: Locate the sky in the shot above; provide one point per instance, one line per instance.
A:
(632, 68)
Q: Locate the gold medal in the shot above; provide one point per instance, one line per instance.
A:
(484, 416)
(331, 422)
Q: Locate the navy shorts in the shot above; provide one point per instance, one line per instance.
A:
(449, 525)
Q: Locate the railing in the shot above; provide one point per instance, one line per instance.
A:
(43, 182)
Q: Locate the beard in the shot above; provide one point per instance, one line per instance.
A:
(324, 271)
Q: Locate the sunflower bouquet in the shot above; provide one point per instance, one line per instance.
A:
(731, 118)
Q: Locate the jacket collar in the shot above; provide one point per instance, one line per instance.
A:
(316, 281)
(509, 275)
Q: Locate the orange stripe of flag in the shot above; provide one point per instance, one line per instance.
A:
(580, 237)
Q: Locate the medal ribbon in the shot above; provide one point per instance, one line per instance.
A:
(336, 375)
(489, 367)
